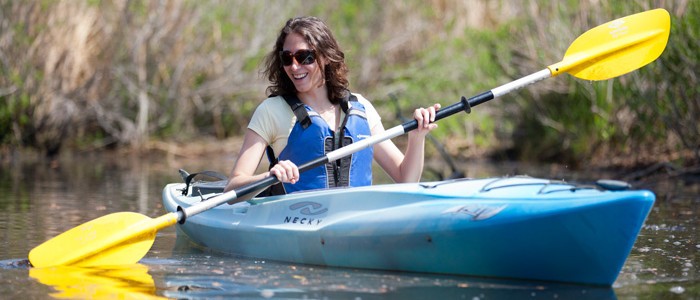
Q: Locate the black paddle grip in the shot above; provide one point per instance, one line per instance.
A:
(463, 105)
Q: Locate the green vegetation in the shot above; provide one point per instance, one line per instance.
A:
(92, 74)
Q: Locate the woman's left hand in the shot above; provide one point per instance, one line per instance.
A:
(426, 118)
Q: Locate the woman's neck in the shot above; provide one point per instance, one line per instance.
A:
(317, 99)
(319, 102)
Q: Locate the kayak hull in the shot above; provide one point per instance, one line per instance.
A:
(522, 228)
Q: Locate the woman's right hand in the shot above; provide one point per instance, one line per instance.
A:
(286, 171)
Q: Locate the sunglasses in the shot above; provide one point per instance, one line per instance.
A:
(303, 57)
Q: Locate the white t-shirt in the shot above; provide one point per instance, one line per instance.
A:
(273, 120)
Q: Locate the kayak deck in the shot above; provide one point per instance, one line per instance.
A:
(523, 228)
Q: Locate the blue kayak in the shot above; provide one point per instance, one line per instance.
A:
(515, 227)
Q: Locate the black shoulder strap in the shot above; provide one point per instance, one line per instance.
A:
(298, 109)
(346, 106)
(344, 102)
(271, 156)
(276, 189)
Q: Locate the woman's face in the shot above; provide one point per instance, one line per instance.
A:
(306, 78)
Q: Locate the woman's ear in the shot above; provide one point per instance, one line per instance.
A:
(321, 60)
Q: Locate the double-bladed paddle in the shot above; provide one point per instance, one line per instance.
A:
(606, 51)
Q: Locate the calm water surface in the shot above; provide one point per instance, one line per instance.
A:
(39, 200)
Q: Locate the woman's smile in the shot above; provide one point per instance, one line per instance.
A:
(299, 76)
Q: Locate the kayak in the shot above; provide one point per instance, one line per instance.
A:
(513, 227)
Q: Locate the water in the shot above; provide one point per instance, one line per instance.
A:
(39, 200)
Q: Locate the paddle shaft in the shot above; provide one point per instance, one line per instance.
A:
(463, 105)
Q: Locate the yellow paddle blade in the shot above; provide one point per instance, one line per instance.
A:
(617, 47)
(114, 239)
(123, 282)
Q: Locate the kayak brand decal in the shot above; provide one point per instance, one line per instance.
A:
(307, 211)
(305, 208)
(475, 212)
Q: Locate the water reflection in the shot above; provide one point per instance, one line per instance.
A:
(120, 282)
(215, 276)
(215, 287)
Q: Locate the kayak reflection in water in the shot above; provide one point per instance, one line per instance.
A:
(310, 112)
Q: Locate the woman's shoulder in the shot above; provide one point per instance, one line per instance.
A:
(273, 101)
(272, 118)
(273, 108)
(362, 100)
(371, 113)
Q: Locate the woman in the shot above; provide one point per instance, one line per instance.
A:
(307, 70)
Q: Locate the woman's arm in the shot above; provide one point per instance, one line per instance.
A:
(248, 159)
(243, 171)
(406, 167)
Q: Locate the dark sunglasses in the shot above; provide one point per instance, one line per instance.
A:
(303, 57)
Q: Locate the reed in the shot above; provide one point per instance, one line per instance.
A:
(636, 119)
(98, 74)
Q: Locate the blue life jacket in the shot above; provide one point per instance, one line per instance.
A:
(311, 138)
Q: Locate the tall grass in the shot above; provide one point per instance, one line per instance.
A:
(638, 118)
(94, 74)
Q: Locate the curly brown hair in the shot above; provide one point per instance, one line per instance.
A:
(319, 36)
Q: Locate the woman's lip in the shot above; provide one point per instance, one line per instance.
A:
(300, 76)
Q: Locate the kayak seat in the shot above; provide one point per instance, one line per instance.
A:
(202, 187)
